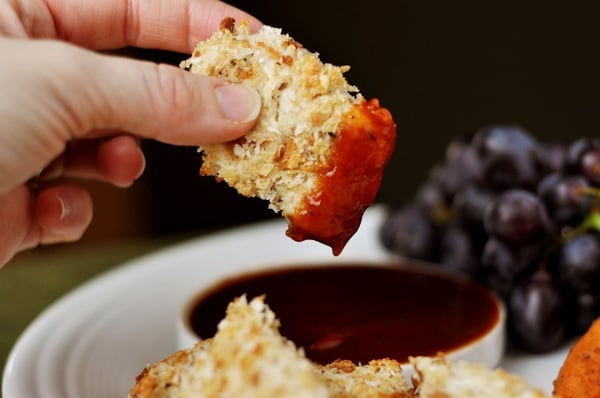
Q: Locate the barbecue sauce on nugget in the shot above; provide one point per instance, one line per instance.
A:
(348, 184)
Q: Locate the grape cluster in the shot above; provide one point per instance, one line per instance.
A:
(520, 216)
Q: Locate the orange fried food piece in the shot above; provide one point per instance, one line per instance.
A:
(579, 376)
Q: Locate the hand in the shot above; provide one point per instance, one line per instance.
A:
(66, 110)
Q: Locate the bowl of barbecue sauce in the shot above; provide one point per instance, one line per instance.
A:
(362, 311)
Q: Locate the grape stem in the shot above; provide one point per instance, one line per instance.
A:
(591, 220)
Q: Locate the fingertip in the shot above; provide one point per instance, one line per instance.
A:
(239, 103)
(120, 160)
(211, 111)
(63, 213)
(220, 112)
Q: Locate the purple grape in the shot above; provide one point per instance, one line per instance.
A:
(590, 165)
(517, 216)
(579, 262)
(407, 231)
(460, 168)
(536, 314)
(552, 156)
(462, 153)
(566, 199)
(470, 205)
(458, 252)
(432, 200)
(503, 265)
(450, 177)
(508, 156)
(576, 151)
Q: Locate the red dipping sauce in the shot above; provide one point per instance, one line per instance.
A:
(349, 182)
(361, 312)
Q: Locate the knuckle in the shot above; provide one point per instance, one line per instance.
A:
(173, 86)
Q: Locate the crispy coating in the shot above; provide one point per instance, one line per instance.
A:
(579, 375)
(381, 378)
(293, 157)
(436, 377)
(249, 358)
(303, 100)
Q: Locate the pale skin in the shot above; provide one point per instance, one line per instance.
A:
(69, 111)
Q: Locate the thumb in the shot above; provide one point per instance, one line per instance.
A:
(150, 100)
(166, 103)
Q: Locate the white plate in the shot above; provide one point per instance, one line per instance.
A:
(95, 340)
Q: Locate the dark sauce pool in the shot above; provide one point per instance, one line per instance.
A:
(360, 312)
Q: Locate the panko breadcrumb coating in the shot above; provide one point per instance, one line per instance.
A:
(248, 357)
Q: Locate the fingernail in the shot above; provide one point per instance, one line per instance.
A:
(65, 209)
(143, 164)
(238, 102)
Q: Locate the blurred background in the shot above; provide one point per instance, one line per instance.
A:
(442, 68)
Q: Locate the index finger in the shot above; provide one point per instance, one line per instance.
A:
(175, 25)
